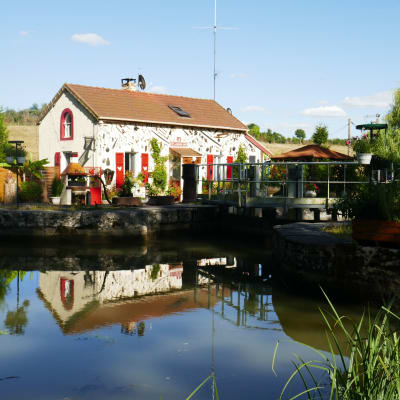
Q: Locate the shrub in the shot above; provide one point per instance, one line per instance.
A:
(320, 135)
(159, 173)
(56, 187)
(372, 202)
(31, 192)
(126, 188)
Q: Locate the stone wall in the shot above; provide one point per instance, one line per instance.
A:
(309, 257)
(106, 224)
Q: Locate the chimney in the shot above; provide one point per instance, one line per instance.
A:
(128, 84)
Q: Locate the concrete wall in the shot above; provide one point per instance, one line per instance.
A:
(49, 131)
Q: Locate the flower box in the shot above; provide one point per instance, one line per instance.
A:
(377, 231)
(161, 200)
(127, 201)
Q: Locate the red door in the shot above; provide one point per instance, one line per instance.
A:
(145, 167)
(119, 169)
(95, 196)
(229, 160)
(210, 167)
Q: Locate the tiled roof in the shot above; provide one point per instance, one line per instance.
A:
(257, 144)
(126, 105)
(312, 151)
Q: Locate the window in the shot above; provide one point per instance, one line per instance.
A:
(67, 125)
(179, 111)
(130, 162)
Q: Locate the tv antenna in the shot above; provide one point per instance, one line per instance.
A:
(214, 28)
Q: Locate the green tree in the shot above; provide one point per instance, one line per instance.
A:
(320, 135)
(393, 116)
(241, 155)
(159, 173)
(254, 129)
(300, 134)
(3, 137)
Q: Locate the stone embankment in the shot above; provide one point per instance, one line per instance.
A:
(310, 257)
(143, 222)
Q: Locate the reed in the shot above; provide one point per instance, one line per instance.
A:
(365, 367)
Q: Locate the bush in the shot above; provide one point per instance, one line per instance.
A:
(31, 192)
(320, 135)
(56, 187)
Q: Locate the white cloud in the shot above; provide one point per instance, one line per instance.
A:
(324, 111)
(237, 75)
(157, 89)
(92, 39)
(253, 108)
(24, 33)
(379, 100)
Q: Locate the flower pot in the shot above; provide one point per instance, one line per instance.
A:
(161, 200)
(9, 160)
(364, 158)
(273, 190)
(127, 201)
(310, 193)
(377, 231)
(20, 160)
(55, 200)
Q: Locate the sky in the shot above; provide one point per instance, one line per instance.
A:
(283, 64)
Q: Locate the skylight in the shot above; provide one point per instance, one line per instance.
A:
(179, 111)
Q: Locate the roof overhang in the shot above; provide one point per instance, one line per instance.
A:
(185, 151)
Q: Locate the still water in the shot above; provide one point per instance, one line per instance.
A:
(148, 322)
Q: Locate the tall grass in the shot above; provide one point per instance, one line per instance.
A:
(365, 367)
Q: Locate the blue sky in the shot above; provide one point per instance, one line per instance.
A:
(287, 64)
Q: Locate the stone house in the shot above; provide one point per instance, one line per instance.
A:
(113, 128)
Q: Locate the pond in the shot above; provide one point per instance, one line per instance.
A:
(149, 321)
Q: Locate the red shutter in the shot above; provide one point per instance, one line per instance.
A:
(145, 167)
(229, 160)
(119, 168)
(57, 159)
(210, 167)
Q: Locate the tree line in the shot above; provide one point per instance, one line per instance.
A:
(320, 136)
(27, 116)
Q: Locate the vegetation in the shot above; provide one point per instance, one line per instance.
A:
(33, 169)
(320, 136)
(159, 174)
(372, 202)
(343, 230)
(362, 145)
(56, 187)
(300, 134)
(372, 370)
(3, 138)
(30, 191)
(28, 116)
(126, 188)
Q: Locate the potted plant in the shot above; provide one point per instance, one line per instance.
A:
(375, 212)
(56, 190)
(125, 196)
(311, 190)
(157, 189)
(363, 149)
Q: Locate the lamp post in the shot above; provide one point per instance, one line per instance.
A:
(18, 160)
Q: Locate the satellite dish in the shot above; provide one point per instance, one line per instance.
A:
(229, 110)
(142, 82)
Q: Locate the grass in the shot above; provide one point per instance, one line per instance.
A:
(342, 230)
(370, 372)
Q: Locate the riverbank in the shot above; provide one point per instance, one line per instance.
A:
(310, 257)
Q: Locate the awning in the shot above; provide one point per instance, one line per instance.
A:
(185, 151)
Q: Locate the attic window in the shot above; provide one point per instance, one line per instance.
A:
(179, 111)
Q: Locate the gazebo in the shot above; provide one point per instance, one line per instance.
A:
(311, 152)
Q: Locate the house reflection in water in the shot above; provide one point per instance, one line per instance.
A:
(86, 300)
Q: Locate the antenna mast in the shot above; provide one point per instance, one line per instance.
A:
(215, 41)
